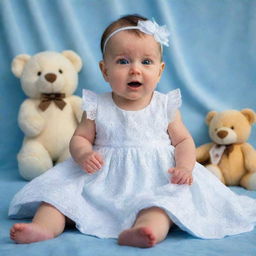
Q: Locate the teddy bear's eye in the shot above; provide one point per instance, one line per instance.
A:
(39, 73)
(232, 127)
(215, 129)
(60, 71)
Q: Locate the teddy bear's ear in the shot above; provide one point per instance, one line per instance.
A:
(210, 116)
(18, 64)
(249, 114)
(74, 58)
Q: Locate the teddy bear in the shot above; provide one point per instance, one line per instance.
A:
(50, 114)
(229, 156)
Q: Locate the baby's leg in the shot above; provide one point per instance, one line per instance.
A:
(47, 223)
(150, 227)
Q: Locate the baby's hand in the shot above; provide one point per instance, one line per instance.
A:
(181, 175)
(92, 162)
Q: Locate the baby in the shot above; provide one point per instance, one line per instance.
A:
(132, 173)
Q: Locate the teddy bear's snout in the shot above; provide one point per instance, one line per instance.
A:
(50, 77)
(222, 134)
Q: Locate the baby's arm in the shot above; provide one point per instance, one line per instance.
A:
(81, 146)
(185, 155)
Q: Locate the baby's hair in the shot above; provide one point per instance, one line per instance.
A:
(125, 21)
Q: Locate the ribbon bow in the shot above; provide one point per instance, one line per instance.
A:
(46, 99)
(160, 33)
(229, 149)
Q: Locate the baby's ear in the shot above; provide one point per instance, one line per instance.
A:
(162, 66)
(103, 69)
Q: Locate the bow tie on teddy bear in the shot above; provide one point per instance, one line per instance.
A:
(228, 148)
(47, 98)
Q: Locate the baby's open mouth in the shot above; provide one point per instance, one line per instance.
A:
(134, 84)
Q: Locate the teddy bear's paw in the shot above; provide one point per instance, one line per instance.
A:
(76, 103)
(32, 126)
(249, 181)
(250, 160)
(31, 166)
(33, 160)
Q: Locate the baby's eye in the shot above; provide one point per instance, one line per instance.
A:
(147, 62)
(122, 61)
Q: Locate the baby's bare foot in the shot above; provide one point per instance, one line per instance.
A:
(25, 233)
(138, 237)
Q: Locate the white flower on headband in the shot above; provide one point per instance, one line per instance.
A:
(160, 33)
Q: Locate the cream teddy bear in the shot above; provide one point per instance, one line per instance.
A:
(229, 157)
(51, 113)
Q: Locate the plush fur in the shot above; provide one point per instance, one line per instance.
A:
(47, 132)
(237, 165)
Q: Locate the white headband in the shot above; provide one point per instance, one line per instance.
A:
(149, 27)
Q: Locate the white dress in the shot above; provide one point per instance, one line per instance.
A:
(137, 153)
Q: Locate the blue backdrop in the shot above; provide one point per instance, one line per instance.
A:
(211, 58)
(211, 55)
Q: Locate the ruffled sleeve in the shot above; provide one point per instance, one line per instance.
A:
(173, 103)
(90, 104)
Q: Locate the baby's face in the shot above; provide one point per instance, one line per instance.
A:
(132, 65)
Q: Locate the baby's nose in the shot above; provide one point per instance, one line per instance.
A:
(135, 69)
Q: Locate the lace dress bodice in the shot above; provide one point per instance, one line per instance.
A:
(121, 128)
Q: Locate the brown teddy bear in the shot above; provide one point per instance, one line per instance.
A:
(229, 157)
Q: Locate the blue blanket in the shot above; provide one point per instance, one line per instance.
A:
(211, 58)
